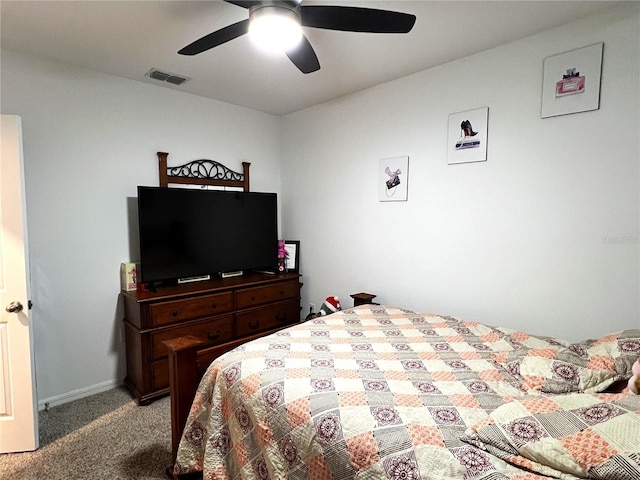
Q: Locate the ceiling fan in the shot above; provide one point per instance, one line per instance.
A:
(290, 16)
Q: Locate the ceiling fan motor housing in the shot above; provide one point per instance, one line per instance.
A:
(275, 25)
(278, 7)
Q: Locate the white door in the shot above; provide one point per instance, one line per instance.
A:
(18, 405)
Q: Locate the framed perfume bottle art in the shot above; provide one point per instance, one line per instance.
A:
(571, 81)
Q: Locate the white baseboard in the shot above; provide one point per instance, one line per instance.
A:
(47, 403)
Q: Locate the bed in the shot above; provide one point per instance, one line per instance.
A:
(378, 392)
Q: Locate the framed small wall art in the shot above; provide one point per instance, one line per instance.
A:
(467, 137)
(292, 262)
(393, 179)
(571, 81)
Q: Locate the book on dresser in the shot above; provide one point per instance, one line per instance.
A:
(221, 312)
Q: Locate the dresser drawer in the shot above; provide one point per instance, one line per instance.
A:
(250, 297)
(160, 374)
(259, 319)
(218, 330)
(164, 313)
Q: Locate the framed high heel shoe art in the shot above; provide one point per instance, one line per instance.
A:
(571, 81)
(467, 138)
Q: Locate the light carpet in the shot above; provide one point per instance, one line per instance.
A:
(98, 437)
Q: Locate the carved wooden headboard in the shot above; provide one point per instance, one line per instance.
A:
(203, 172)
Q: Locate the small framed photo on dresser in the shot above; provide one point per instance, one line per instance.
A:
(292, 262)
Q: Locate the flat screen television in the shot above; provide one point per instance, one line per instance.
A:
(188, 233)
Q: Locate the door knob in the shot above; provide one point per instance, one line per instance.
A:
(14, 307)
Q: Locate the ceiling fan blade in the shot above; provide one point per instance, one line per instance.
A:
(304, 57)
(243, 3)
(356, 19)
(216, 38)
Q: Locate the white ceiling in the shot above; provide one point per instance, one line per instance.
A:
(128, 38)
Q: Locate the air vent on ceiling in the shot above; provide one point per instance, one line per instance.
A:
(166, 77)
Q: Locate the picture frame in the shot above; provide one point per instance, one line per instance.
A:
(571, 81)
(467, 136)
(393, 179)
(292, 262)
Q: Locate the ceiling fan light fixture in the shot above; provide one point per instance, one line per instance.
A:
(275, 28)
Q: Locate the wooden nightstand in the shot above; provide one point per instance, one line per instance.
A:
(363, 299)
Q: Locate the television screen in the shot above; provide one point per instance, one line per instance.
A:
(187, 233)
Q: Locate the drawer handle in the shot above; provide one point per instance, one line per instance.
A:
(214, 306)
(281, 292)
(253, 299)
(254, 325)
(174, 313)
(281, 318)
(214, 336)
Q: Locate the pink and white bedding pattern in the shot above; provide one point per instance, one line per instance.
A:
(372, 392)
(568, 436)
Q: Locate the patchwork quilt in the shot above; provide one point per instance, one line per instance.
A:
(378, 392)
(567, 436)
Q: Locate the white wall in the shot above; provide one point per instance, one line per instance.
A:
(89, 140)
(543, 237)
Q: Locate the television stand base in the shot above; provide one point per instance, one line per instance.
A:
(266, 272)
(200, 278)
(237, 273)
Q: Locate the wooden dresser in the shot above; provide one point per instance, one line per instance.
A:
(221, 312)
